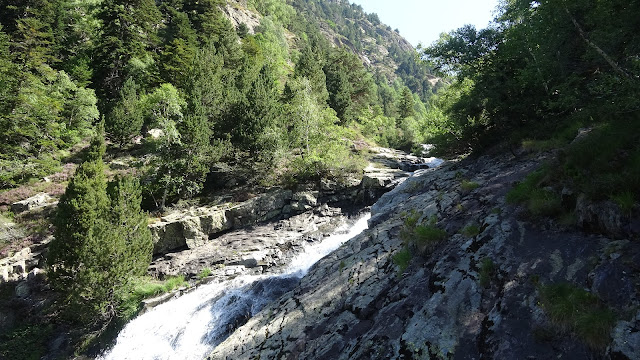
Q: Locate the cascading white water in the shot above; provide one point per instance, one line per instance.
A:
(190, 326)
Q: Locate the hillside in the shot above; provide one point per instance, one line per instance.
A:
(115, 114)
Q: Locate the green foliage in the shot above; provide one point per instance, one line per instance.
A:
(578, 311)
(350, 86)
(402, 259)
(533, 72)
(143, 288)
(468, 185)
(128, 30)
(101, 240)
(421, 239)
(539, 201)
(126, 118)
(28, 342)
(204, 273)
(470, 230)
(625, 201)
(405, 105)
(487, 269)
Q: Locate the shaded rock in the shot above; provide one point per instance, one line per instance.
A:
(626, 339)
(22, 290)
(612, 284)
(602, 217)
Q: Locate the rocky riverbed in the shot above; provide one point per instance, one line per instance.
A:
(357, 304)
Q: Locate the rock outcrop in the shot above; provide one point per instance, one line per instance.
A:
(356, 304)
(35, 202)
(194, 227)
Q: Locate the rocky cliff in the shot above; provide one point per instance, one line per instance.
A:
(498, 285)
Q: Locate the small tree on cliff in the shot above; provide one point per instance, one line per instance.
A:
(101, 240)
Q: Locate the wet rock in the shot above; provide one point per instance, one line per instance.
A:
(22, 290)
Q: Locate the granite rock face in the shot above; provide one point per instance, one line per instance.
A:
(355, 304)
(194, 227)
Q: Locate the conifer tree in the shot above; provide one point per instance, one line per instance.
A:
(83, 204)
(101, 240)
(309, 65)
(128, 30)
(126, 118)
(405, 105)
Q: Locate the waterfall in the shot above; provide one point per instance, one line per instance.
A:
(191, 326)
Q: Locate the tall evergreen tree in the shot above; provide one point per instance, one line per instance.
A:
(405, 104)
(125, 120)
(128, 31)
(101, 239)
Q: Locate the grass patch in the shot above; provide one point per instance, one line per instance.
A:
(625, 201)
(426, 237)
(421, 238)
(538, 201)
(402, 258)
(487, 269)
(578, 311)
(470, 230)
(204, 273)
(144, 288)
(468, 185)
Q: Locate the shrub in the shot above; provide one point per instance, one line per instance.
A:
(402, 258)
(487, 269)
(576, 310)
(538, 201)
(26, 342)
(470, 230)
(204, 273)
(468, 185)
(426, 237)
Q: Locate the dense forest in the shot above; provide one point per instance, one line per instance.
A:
(216, 93)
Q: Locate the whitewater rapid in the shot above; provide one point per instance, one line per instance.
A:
(191, 326)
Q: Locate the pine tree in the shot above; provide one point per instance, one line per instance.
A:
(84, 202)
(126, 118)
(256, 115)
(128, 32)
(101, 240)
(405, 104)
(309, 65)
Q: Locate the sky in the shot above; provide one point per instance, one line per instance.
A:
(422, 21)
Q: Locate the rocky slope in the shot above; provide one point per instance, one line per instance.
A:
(356, 304)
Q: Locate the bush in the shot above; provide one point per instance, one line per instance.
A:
(538, 201)
(402, 258)
(576, 310)
(487, 269)
(26, 342)
(470, 230)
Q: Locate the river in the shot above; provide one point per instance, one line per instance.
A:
(191, 326)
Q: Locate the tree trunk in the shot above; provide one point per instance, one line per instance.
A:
(604, 55)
